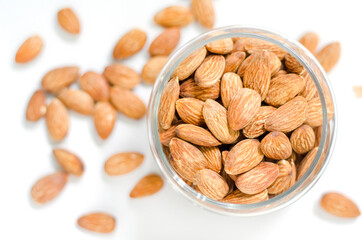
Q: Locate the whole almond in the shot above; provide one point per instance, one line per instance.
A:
(230, 84)
(293, 64)
(282, 182)
(121, 75)
(196, 135)
(329, 55)
(228, 180)
(221, 46)
(59, 78)
(190, 110)
(233, 61)
(303, 139)
(123, 163)
(306, 162)
(257, 179)
(240, 43)
(256, 127)
(243, 107)
(77, 100)
(243, 156)
(97, 222)
(204, 13)
(166, 136)
(275, 63)
(276, 145)
(69, 162)
(314, 116)
(147, 186)
(246, 63)
(190, 64)
(57, 120)
(213, 158)
(127, 102)
(211, 184)
(104, 118)
(189, 89)
(29, 50)
(310, 41)
(174, 16)
(129, 44)
(37, 107)
(165, 43)
(152, 68)
(339, 205)
(49, 187)
(293, 175)
(210, 71)
(95, 85)
(287, 117)
(255, 45)
(215, 117)
(310, 91)
(280, 72)
(68, 20)
(237, 197)
(167, 107)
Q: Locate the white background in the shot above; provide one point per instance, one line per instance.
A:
(26, 148)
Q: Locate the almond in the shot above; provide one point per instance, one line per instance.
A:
(243, 156)
(293, 176)
(37, 107)
(104, 118)
(302, 139)
(233, 61)
(280, 72)
(237, 197)
(166, 136)
(256, 127)
(69, 162)
(310, 91)
(240, 43)
(147, 186)
(329, 55)
(174, 16)
(255, 45)
(306, 162)
(29, 50)
(190, 110)
(293, 64)
(127, 102)
(339, 205)
(59, 78)
(211, 184)
(48, 187)
(257, 179)
(190, 64)
(204, 13)
(318, 135)
(95, 85)
(221, 46)
(310, 41)
(152, 68)
(282, 182)
(314, 117)
(213, 158)
(121, 75)
(215, 117)
(165, 43)
(228, 180)
(68, 20)
(243, 107)
(166, 110)
(97, 222)
(275, 63)
(276, 145)
(57, 120)
(196, 135)
(189, 89)
(210, 71)
(77, 100)
(123, 163)
(130, 44)
(230, 84)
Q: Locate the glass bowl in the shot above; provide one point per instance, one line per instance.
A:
(327, 141)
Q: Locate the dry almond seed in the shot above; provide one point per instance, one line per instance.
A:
(306, 162)
(59, 78)
(302, 139)
(215, 116)
(147, 186)
(166, 136)
(257, 179)
(68, 20)
(293, 176)
(243, 156)
(222, 46)
(243, 107)
(314, 117)
(95, 85)
(310, 41)
(213, 158)
(167, 107)
(36, 107)
(310, 91)
(230, 84)
(187, 159)
(318, 135)
(256, 127)
(121, 75)
(204, 13)
(104, 118)
(282, 182)
(280, 72)
(211, 184)
(283, 88)
(69, 162)
(165, 43)
(57, 120)
(228, 180)
(190, 110)
(240, 43)
(210, 71)
(276, 145)
(152, 68)
(287, 117)
(189, 89)
(190, 64)
(255, 45)
(129, 44)
(339, 205)
(77, 100)
(174, 16)
(237, 197)
(123, 163)
(275, 63)
(49, 187)
(127, 102)
(196, 135)
(245, 64)
(97, 222)
(29, 50)
(233, 61)
(293, 64)
(329, 55)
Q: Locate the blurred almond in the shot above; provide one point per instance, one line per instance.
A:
(204, 13)
(233, 61)
(95, 85)
(210, 71)
(276, 145)
(310, 41)
(274, 63)
(147, 186)
(105, 117)
(127, 102)
(240, 43)
(190, 64)
(237, 197)
(29, 50)
(306, 162)
(213, 158)
(37, 107)
(121, 75)
(165, 43)
(256, 45)
(329, 55)
(68, 20)
(314, 116)
(189, 89)
(256, 127)
(69, 162)
(190, 110)
(309, 91)
(211, 184)
(196, 135)
(166, 110)
(77, 100)
(57, 120)
(129, 44)
(339, 205)
(174, 16)
(221, 46)
(152, 68)
(123, 163)
(59, 78)
(97, 222)
(303, 139)
(230, 84)
(293, 64)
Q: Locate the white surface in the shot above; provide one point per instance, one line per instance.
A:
(26, 147)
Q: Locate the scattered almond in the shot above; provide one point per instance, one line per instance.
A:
(204, 13)
(36, 107)
(339, 205)
(104, 118)
(147, 186)
(127, 102)
(174, 16)
(152, 68)
(69, 161)
(121, 75)
(123, 163)
(59, 78)
(57, 120)
(68, 21)
(310, 41)
(77, 100)
(165, 43)
(29, 50)
(329, 55)
(97, 222)
(130, 43)
(95, 85)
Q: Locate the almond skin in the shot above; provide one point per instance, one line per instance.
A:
(36, 107)
(256, 45)
(121, 75)
(77, 100)
(329, 55)
(147, 186)
(275, 63)
(165, 43)
(196, 135)
(233, 61)
(95, 85)
(210, 71)
(293, 64)
(97, 222)
(230, 84)
(190, 110)
(29, 50)
(237, 197)
(152, 68)
(49, 187)
(104, 117)
(174, 16)
(310, 41)
(256, 127)
(204, 13)
(69, 162)
(68, 21)
(310, 91)
(257, 179)
(129, 44)
(243, 107)
(221, 46)
(314, 116)
(213, 158)
(189, 89)
(303, 139)
(339, 205)
(211, 184)
(123, 163)
(59, 78)
(57, 120)
(282, 182)
(190, 64)
(127, 102)
(306, 162)
(276, 145)
(243, 156)
(167, 108)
